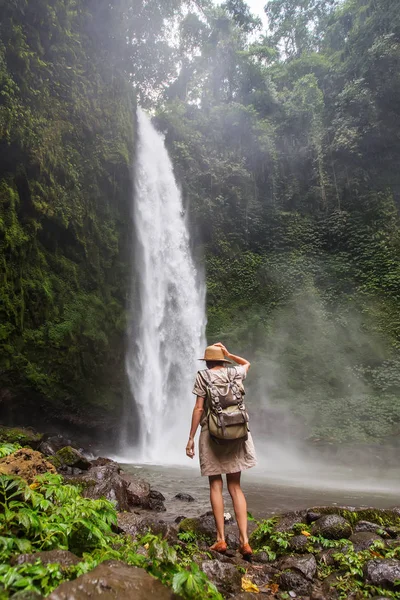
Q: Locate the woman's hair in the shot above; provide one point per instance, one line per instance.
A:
(214, 363)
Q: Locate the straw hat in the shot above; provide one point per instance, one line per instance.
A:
(214, 353)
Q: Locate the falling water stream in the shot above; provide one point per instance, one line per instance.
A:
(168, 307)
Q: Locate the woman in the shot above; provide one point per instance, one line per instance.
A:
(217, 460)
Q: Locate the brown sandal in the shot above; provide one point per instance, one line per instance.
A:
(246, 551)
(220, 547)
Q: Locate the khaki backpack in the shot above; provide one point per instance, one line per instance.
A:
(227, 416)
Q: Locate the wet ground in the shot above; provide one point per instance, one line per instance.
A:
(269, 493)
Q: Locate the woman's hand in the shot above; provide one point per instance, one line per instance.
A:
(190, 448)
(223, 348)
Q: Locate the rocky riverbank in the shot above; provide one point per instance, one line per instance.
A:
(74, 526)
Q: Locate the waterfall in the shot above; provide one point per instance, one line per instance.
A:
(168, 307)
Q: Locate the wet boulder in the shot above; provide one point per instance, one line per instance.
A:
(156, 501)
(366, 526)
(202, 526)
(129, 523)
(364, 539)
(52, 443)
(261, 557)
(26, 463)
(113, 580)
(383, 572)
(305, 564)
(105, 482)
(184, 497)
(287, 521)
(168, 531)
(62, 557)
(27, 595)
(292, 580)
(332, 527)
(20, 435)
(298, 543)
(69, 457)
(138, 490)
(224, 576)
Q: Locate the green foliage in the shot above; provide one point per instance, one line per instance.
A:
(266, 538)
(66, 139)
(8, 448)
(49, 515)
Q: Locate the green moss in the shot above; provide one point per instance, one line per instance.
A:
(384, 517)
(19, 435)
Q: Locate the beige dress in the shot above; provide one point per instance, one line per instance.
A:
(218, 459)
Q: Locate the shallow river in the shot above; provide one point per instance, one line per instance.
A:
(269, 493)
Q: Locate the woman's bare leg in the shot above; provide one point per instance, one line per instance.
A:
(239, 505)
(217, 505)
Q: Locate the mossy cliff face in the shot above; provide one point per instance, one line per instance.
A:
(66, 137)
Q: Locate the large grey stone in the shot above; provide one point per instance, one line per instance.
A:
(298, 543)
(224, 576)
(366, 526)
(293, 580)
(332, 527)
(62, 557)
(383, 572)
(113, 580)
(105, 482)
(305, 564)
(364, 539)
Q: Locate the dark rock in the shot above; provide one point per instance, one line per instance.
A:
(298, 543)
(393, 531)
(261, 557)
(326, 556)
(179, 519)
(104, 482)
(382, 572)
(129, 523)
(332, 527)
(55, 443)
(69, 457)
(287, 521)
(261, 576)
(366, 526)
(232, 539)
(329, 584)
(26, 595)
(225, 576)
(138, 491)
(26, 463)
(113, 580)
(156, 501)
(392, 543)
(305, 564)
(20, 435)
(202, 526)
(312, 516)
(62, 557)
(158, 527)
(293, 580)
(184, 497)
(100, 461)
(364, 539)
(316, 592)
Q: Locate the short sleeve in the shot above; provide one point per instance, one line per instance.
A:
(240, 372)
(199, 388)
